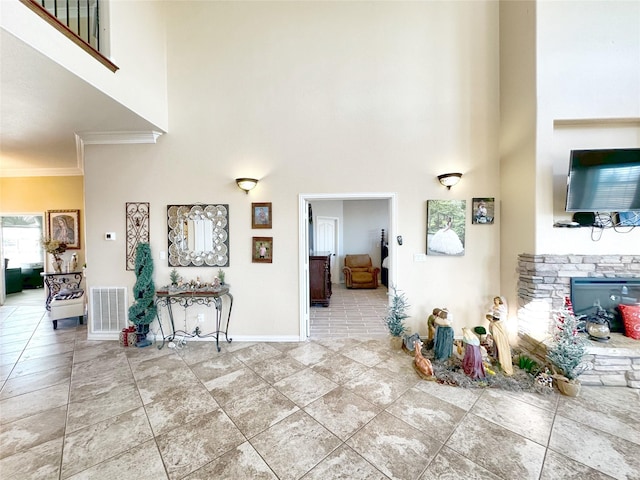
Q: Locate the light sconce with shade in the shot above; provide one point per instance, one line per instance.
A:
(246, 184)
(449, 179)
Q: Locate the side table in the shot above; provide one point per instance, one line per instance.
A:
(197, 297)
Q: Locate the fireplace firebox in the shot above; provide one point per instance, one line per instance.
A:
(589, 292)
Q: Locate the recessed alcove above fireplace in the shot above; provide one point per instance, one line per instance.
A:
(545, 280)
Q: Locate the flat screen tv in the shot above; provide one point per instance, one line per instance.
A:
(604, 180)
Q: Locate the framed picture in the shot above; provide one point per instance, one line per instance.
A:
(261, 214)
(262, 250)
(64, 226)
(446, 227)
(483, 211)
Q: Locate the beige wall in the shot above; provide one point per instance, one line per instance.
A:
(589, 77)
(33, 195)
(517, 142)
(336, 98)
(321, 97)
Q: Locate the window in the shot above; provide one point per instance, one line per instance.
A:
(21, 236)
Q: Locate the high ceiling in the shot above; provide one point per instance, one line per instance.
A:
(43, 106)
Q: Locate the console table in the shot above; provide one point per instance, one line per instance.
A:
(186, 299)
(57, 281)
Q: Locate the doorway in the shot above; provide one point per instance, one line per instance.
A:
(21, 253)
(326, 240)
(306, 241)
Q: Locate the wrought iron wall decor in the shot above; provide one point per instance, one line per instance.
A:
(137, 229)
(198, 235)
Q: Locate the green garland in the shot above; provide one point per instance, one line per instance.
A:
(143, 311)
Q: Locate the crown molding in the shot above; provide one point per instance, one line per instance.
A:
(110, 138)
(117, 138)
(82, 139)
(42, 172)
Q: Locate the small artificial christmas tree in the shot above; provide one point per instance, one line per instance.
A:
(174, 277)
(568, 347)
(143, 311)
(396, 313)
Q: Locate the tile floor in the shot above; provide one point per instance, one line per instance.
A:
(330, 408)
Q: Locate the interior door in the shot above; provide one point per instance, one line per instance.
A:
(327, 241)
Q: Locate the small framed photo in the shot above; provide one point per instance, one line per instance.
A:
(262, 250)
(483, 211)
(261, 214)
(64, 226)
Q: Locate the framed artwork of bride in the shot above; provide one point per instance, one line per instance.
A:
(446, 227)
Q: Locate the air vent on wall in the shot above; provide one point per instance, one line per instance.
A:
(108, 314)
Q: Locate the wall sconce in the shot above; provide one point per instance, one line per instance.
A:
(449, 179)
(246, 184)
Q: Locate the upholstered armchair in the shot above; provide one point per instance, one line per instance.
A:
(359, 272)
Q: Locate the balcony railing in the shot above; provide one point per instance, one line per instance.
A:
(79, 20)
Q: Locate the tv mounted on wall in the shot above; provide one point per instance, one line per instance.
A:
(605, 180)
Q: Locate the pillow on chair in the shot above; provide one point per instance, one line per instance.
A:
(66, 294)
(631, 319)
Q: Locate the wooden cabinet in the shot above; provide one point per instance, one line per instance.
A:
(320, 279)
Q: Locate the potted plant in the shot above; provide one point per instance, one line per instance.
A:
(396, 314)
(221, 276)
(567, 350)
(143, 310)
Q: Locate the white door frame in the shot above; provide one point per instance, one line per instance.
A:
(303, 243)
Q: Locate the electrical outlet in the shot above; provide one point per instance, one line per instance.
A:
(419, 257)
(201, 318)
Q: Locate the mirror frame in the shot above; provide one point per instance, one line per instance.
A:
(178, 214)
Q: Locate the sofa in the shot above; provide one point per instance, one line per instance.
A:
(359, 272)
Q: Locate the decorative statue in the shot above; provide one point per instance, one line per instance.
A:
(422, 365)
(409, 341)
(472, 361)
(497, 326)
(431, 327)
(444, 335)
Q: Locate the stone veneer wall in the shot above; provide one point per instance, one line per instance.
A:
(544, 281)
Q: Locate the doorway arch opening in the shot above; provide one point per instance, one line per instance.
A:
(306, 242)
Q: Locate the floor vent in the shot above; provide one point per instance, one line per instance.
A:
(108, 315)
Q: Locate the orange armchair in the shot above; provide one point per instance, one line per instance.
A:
(359, 272)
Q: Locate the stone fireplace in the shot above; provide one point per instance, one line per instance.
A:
(545, 280)
(543, 283)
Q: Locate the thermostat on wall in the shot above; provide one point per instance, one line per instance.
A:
(110, 236)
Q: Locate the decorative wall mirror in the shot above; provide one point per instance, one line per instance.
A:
(198, 235)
